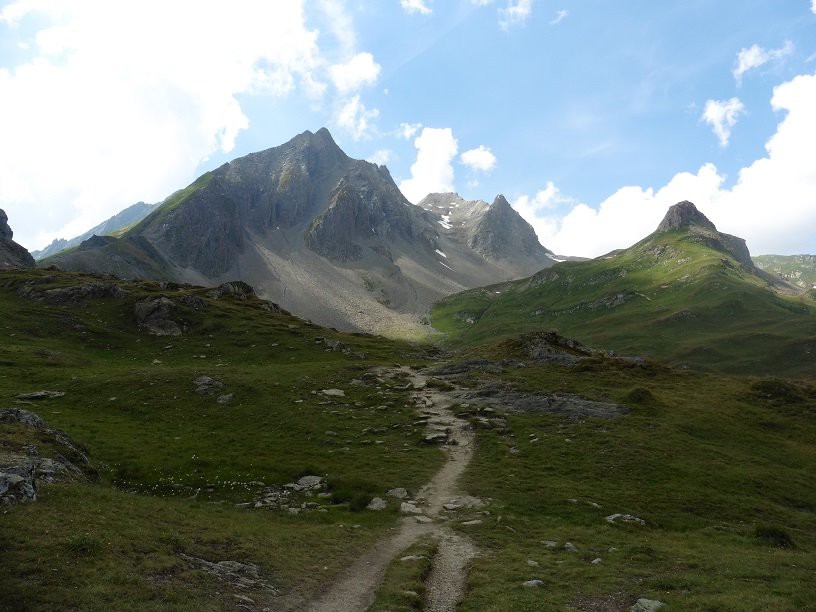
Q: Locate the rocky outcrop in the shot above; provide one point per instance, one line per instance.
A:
(502, 233)
(685, 216)
(155, 316)
(12, 255)
(23, 470)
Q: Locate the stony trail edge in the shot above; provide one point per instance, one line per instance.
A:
(356, 588)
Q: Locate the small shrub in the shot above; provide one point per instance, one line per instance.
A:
(774, 536)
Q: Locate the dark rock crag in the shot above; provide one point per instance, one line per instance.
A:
(12, 255)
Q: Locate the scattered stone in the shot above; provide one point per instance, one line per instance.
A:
(399, 493)
(532, 584)
(236, 289)
(409, 508)
(423, 520)
(647, 605)
(241, 575)
(17, 489)
(550, 543)
(377, 504)
(570, 547)
(39, 395)
(596, 561)
(309, 483)
(207, 385)
(452, 507)
(225, 399)
(625, 518)
(473, 522)
(437, 437)
(532, 563)
(333, 392)
(412, 558)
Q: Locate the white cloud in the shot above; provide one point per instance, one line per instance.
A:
(407, 130)
(486, 2)
(480, 158)
(360, 70)
(559, 16)
(772, 204)
(813, 6)
(115, 107)
(722, 115)
(416, 6)
(516, 12)
(755, 56)
(380, 157)
(355, 118)
(432, 171)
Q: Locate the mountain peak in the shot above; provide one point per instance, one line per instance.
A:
(500, 201)
(682, 215)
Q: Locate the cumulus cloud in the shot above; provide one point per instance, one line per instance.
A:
(722, 115)
(355, 118)
(112, 107)
(480, 158)
(516, 12)
(559, 17)
(360, 70)
(416, 6)
(755, 56)
(407, 130)
(380, 157)
(432, 171)
(813, 6)
(772, 203)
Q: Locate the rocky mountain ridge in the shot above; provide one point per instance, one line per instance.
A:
(329, 237)
(117, 223)
(12, 255)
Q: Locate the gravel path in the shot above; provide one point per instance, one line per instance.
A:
(357, 587)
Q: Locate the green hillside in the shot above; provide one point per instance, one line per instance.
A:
(675, 296)
(799, 270)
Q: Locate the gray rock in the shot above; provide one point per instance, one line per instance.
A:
(333, 392)
(532, 584)
(532, 563)
(437, 437)
(412, 558)
(473, 522)
(240, 575)
(225, 399)
(423, 520)
(15, 488)
(154, 315)
(399, 493)
(624, 518)
(309, 483)
(550, 543)
(570, 547)
(39, 395)
(12, 255)
(207, 385)
(18, 415)
(647, 605)
(377, 504)
(409, 508)
(596, 561)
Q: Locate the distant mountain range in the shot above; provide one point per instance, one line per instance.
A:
(799, 270)
(116, 224)
(686, 293)
(330, 238)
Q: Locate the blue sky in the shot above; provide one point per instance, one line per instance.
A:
(591, 119)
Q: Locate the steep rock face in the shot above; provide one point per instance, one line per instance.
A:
(327, 237)
(685, 216)
(503, 233)
(12, 255)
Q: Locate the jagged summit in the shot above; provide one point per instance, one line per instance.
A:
(682, 215)
(12, 255)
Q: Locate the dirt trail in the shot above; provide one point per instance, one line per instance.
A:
(356, 588)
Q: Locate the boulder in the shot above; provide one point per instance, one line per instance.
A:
(377, 504)
(154, 315)
(647, 605)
